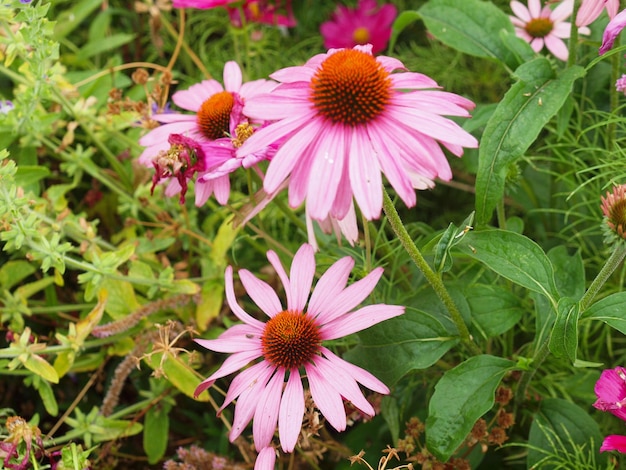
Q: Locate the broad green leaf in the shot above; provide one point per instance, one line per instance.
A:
(610, 310)
(569, 272)
(495, 309)
(470, 26)
(70, 18)
(415, 340)
(515, 257)
(41, 367)
(29, 175)
(404, 19)
(564, 335)
(560, 427)
(210, 303)
(461, 397)
(47, 395)
(156, 428)
(110, 43)
(523, 112)
(121, 299)
(178, 373)
(12, 272)
(450, 237)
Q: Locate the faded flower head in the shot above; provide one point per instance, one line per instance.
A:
(614, 210)
(289, 353)
(367, 23)
(20, 432)
(543, 26)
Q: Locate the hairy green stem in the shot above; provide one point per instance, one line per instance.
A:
(435, 281)
(611, 264)
(573, 36)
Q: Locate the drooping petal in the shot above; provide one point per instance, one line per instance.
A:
(360, 375)
(266, 459)
(234, 306)
(326, 397)
(359, 320)
(291, 412)
(266, 413)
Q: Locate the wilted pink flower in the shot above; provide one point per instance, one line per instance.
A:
(590, 10)
(365, 24)
(612, 30)
(290, 342)
(345, 120)
(543, 26)
(215, 126)
(611, 392)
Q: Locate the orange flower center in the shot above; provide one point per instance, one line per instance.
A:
(539, 27)
(351, 88)
(214, 115)
(290, 339)
(361, 35)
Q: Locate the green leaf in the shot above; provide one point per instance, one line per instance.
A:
(41, 367)
(562, 428)
(210, 303)
(461, 397)
(121, 299)
(515, 257)
(156, 428)
(470, 26)
(47, 396)
(521, 115)
(415, 340)
(178, 373)
(70, 18)
(404, 19)
(450, 237)
(495, 309)
(29, 175)
(108, 44)
(222, 243)
(569, 272)
(610, 310)
(12, 272)
(564, 336)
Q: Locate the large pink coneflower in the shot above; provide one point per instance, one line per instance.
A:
(345, 119)
(217, 124)
(290, 343)
(543, 26)
(365, 24)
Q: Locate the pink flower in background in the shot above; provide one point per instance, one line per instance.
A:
(255, 11)
(345, 119)
(543, 26)
(214, 125)
(290, 342)
(620, 84)
(590, 10)
(614, 442)
(612, 30)
(365, 24)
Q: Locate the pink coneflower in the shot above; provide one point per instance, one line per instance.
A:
(590, 10)
(614, 210)
(365, 24)
(344, 119)
(290, 342)
(620, 84)
(543, 26)
(216, 126)
(612, 30)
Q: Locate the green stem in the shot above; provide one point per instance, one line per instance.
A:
(435, 281)
(573, 36)
(611, 265)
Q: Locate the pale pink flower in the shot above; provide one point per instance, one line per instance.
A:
(365, 24)
(214, 125)
(345, 119)
(612, 30)
(590, 10)
(620, 84)
(289, 343)
(543, 26)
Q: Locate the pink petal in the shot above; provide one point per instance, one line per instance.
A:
(232, 76)
(248, 401)
(614, 27)
(520, 10)
(614, 442)
(266, 459)
(266, 414)
(360, 375)
(359, 320)
(365, 176)
(562, 11)
(301, 277)
(261, 293)
(192, 98)
(236, 338)
(557, 47)
(291, 412)
(254, 376)
(326, 397)
(234, 306)
(329, 286)
(234, 362)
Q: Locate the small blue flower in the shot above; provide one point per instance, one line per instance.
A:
(6, 105)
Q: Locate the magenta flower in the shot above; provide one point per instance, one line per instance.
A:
(365, 24)
(255, 11)
(620, 84)
(612, 30)
(271, 390)
(345, 120)
(216, 126)
(611, 391)
(590, 10)
(203, 4)
(543, 26)
(614, 442)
